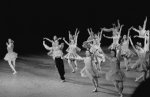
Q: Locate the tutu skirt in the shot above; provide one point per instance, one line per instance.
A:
(73, 56)
(117, 75)
(127, 53)
(10, 56)
(142, 65)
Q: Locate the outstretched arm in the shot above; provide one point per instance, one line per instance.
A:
(139, 36)
(59, 39)
(49, 40)
(46, 47)
(136, 30)
(66, 41)
(108, 37)
(108, 30)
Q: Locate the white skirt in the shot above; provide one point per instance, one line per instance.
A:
(10, 56)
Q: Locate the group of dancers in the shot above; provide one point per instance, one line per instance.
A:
(94, 55)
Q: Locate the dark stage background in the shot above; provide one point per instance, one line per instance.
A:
(28, 22)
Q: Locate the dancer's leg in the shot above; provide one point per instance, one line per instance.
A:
(70, 64)
(12, 67)
(14, 62)
(75, 62)
(116, 83)
(94, 84)
(125, 61)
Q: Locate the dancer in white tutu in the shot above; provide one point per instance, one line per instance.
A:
(91, 37)
(54, 42)
(95, 47)
(72, 56)
(116, 35)
(115, 74)
(143, 33)
(11, 55)
(141, 64)
(126, 53)
(89, 69)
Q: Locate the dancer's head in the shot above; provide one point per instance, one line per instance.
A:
(87, 53)
(138, 45)
(113, 52)
(124, 37)
(140, 28)
(55, 37)
(10, 41)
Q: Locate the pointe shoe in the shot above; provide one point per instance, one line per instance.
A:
(127, 69)
(62, 81)
(121, 95)
(73, 71)
(15, 72)
(95, 90)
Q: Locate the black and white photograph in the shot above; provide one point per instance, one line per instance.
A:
(74, 48)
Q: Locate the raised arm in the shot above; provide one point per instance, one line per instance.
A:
(139, 36)
(144, 25)
(59, 38)
(66, 41)
(46, 47)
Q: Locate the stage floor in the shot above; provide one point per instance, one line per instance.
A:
(38, 77)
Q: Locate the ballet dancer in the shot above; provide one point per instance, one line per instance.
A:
(116, 74)
(72, 56)
(95, 47)
(57, 54)
(91, 37)
(54, 41)
(89, 70)
(141, 30)
(126, 53)
(141, 64)
(11, 55)
(116, 36)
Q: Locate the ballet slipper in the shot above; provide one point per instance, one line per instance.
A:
(14, 72)
(95, 90)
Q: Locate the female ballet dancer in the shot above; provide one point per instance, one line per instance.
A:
(141, 64)
(91, 37)
(89, 70)
(146, 40)
(126, 53)
(72, 56)
(54, 41)
(11, 55)
(56, 53)
(115, 74)
(116, 36)
(95, 47)
(141, 30)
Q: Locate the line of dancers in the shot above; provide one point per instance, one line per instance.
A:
(94, 55)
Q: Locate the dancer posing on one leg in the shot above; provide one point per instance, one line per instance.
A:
(72, 56)
(89, 70)
(11, 55)
(57, 54)
(115, 74)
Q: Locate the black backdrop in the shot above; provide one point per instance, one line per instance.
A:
(28, 22)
